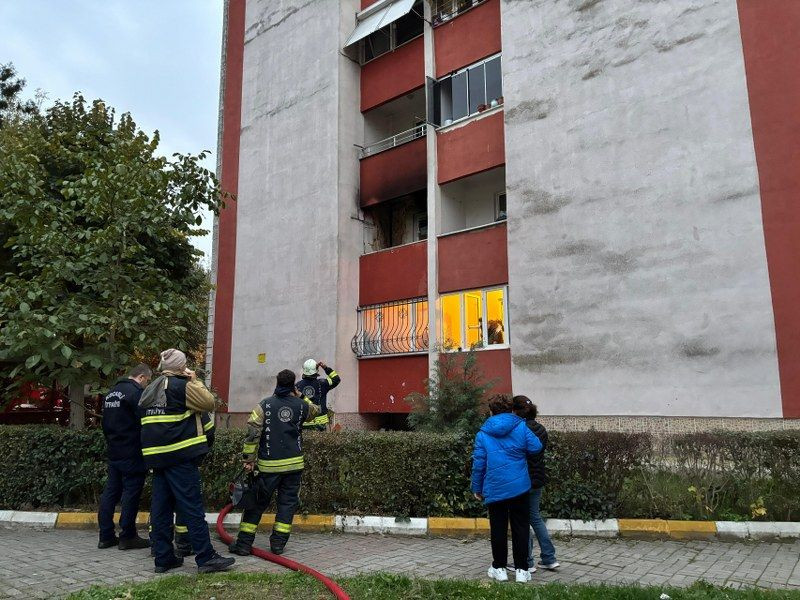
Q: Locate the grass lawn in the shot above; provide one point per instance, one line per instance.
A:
(252, 586)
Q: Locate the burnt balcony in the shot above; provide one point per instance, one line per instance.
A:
(393, 167)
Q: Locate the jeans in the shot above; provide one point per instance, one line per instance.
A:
(548, 551)
(124, 486)
(178, 488)
(514, 510)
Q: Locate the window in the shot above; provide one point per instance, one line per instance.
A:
(392, 328)
(467, 92)
(420, 227)
(474, 319)
(397, 33)
(500, 211)
(444, 10)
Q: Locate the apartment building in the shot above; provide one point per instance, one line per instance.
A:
(599, 197)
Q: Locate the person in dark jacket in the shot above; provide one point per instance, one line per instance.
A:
(525, 408)
(316, 389)
(174, 441)
(500, 479)
(126, 468)
(273, 449)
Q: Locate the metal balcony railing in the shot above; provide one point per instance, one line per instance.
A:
(396, 140)
(392, 328)
(444, 10)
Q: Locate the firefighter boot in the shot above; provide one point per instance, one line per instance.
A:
(183, 547)
(277, 542)
(240, 547)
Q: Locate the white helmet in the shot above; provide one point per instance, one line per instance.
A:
(310, 367)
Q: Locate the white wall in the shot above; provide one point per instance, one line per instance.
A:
(297, 191)
(394, 117)
(638, 277)
(470, 202)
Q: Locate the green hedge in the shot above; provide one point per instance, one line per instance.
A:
(593, 474)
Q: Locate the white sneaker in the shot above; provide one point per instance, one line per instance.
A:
(551, 567)
(497, 574)
(532, 570)
(523, 575)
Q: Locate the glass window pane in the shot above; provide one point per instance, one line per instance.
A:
(377, 43)
(409, 26)
(473, 315)
(477, 92)
(451, 321)
(444, 90)
(502, 212)
(396, 328)
(495, 317)
(371, 327)
(421, 331)
(460, 106)
(494, 80)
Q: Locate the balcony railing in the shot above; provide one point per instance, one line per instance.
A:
(444, 10)
(399, 327)
(396, 140)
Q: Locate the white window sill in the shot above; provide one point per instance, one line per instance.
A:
(469, 118)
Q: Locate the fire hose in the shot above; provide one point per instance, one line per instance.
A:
(279, 560)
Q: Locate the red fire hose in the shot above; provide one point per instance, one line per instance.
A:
(279, 560)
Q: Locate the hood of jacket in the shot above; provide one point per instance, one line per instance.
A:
(501, 425)
(282, 391)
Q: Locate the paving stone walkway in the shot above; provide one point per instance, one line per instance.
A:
(51, 563)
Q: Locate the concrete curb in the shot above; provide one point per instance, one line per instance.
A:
(456, 526)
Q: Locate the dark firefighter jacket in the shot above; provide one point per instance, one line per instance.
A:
(173, 428)
(121, 425)
(274, 432)
(316, 389)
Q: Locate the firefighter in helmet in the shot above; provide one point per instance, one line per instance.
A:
(316, 389)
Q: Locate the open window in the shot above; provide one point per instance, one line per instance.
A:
(384, 26)
(474, 319)
(467, 92)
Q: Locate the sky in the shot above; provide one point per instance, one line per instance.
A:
(157, 59)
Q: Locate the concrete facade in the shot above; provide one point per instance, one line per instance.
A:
(638, 276)
(295, 241)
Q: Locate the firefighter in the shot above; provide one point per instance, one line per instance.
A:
(273, 448)
(316, 389)
(173, 444)
(126, 469)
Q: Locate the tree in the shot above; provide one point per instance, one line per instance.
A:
(11, 87)
(454, 397)
(102, 268)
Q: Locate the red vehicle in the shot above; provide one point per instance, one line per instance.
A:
(36, 403)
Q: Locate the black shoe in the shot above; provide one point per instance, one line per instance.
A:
(178, 562)
(277, 549)
(183, 550)
(103, 544)
(134, 543)
(218, 563)
(239, 548)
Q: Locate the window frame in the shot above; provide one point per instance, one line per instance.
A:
(465, 70)
(484, 320)
(393, 45)
(497, 217)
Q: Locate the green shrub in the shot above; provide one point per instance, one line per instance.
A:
(727, 476)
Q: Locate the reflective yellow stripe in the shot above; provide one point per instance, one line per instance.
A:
(280, 461)
(173, 447)
(320, 420)
(255, 416)
(249, 448)
(181, 529)
(166, 418)
(281, 466)
(331, 375)
(209, 425)
(248, 527)
(282, 527)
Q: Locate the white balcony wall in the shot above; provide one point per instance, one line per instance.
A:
(394, 117)
(470, 202)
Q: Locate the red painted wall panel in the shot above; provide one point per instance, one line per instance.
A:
(467, 38)
(771, 41)
(366, 3)
(394, 173)
(472, 148)
(473, 259)
(393, 274)
(393, 74)
(383, 383)
(495, 368)
(229, 180)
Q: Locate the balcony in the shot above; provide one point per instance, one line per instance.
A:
(398, 327)
(394, 167)
(461, 41)
(475, 258)
(393, 141)
(384, 383)
(393, 274)
(471, 147)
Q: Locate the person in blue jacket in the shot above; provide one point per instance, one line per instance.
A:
(500, 480)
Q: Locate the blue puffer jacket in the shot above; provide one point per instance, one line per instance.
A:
(499, 462)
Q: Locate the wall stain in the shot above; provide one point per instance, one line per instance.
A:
(530, 110)
(738, 195)
(697, 348)
(541, 202)
(667, 45)
(582, 5)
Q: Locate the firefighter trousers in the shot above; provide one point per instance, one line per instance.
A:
(287, 487)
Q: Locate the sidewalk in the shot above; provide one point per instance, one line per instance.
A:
(50, 563)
